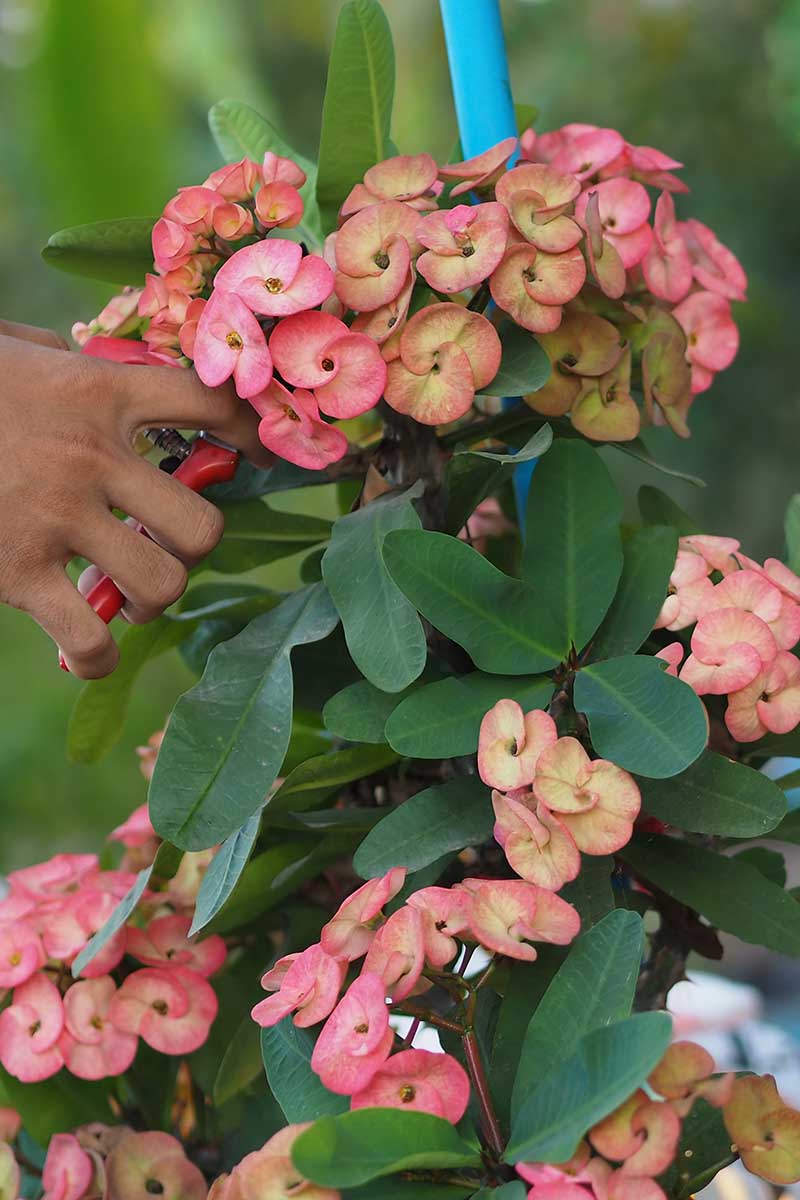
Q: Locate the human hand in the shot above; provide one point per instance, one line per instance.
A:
(68, 426)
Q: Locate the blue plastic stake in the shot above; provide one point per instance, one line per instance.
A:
(476, 51)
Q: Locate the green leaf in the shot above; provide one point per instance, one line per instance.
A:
(286, 1051)
(591, 892)
(223, 873)
(705, 1148)
(716, 795)
(594, 987)
(729, 893)
(573, 551)
(637, 449)
(641, 718)
(359, 712)
(428, 825)
(115, 251)
(99, 714)
(383, 632)
(525, 114)
(789, 829)
(114, 923)
(500, 622)
(228, 735)
(265, 881)
(648, 561)
(240, 1063)
(608, 1065)
(357, 109)
(657, 508)
(249, 482)
(524, 367)
(56, 1104)
(319, 777)
(256, 535)
(442, 719)
(359, 1146)
(468, 480)
(508, 1191)
(768, 863)
(535, 447)
(411, 1189)
(791, 527)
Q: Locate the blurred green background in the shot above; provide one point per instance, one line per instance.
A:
(104, 115)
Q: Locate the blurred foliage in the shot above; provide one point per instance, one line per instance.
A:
(105, 110)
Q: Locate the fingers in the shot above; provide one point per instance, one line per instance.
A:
(166, 396)
(83, 639)
(176, 517)
(148, 576)
(30, 333)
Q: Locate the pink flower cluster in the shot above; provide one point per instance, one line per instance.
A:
(626, 1150)
(746, 620)
(551, 801)
(112, 1161)
(92, 1026)
(402, 954)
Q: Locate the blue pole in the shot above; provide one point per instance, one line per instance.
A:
(476, 51)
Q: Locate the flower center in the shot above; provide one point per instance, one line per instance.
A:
(382, 260)
(529, 274)
(161, 1007)
(362, 1028)
(234, 340)
(407, 1093)
(96, 1022)
(15, 959)
(34, 1028)
(327, 364)
(467, 250)
(154, 1187)
(273, 284)
(290, 413)
(692, 339)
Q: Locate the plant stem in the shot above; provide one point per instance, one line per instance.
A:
(430, 1018)
(491, 1126)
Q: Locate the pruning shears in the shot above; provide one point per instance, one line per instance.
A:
(197, 464)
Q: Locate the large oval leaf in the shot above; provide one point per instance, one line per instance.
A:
(573, 551)
(649, 557)
(228, 735)
(357, 110)
(524, 367)
(594, 987)
(442, 719)
(501, 622)
(716, 795)
(358, 713)
(609, 1064)
(428, 825)
(114, 251)
(641, 718)
(286, 1051)
(384, 634)
(370, 1142)
(728, 892)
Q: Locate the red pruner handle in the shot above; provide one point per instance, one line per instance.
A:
(207, 463)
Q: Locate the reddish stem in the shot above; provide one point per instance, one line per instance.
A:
(491, 1126)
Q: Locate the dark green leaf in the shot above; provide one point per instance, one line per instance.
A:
(359, 1146)
(515, 1190)
(468, 480)
(789, 829)
(641, 718)
(241, 1063)
(768, 863)
(56, 1104)
(223, 873)
(716, 795)
(657, 508)
(608, 1065)
(535, 447)
(791, 527)
(573, 551)
(637, 449)
(384, 634)
(427, 826)
(524, 367)
(99, 713)
(286, 1051)
(730, 894)
(591, 893)
(359, 712)
(249, 482)
(115, 922)
(357, 110)
(337, 820)
(594, 987)
(114, 251)
(319, 777)
(411, 1189)
(256, 535)
(525, 114)
(442, 719)
(705, 1148)
(648, 560)
(499, 621)
(228, 735)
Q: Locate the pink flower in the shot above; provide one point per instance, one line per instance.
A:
(307, 984)
(292, 428)
(464, 245)
(510, 742)
(173, 245)
(729, 648)
(236, 181)
(349, 933)
(170, 1009)
(373, 254)
(595, 799)
(673, 656)
(585, 150)
(165, 942)
(10, 1175)
(145, 1164)
(685, 1073)
(604, 258)
(536, 843)
(648, 165)
(270, 1174)
(624, 207)
(712, 338)
(276, 169)
(355, 1040)
(30, 1029)
(531, 285)
(136, 832)
(419, 1081)
(770, 703)
(92, 1047)
(397, 953)
(537, 199)
(229, 341)
(316, 350)
(279, 204)
(642, 1134)
(119, 317)
(123, 350)
(480, 173)
(71, 926)
(188, 331)
(273, 277)
(232, 222)
(714, 266)
(508, 914)
(193, 208)
(52, 879)
(10, 1124)
(21, 953)
(445, 913)
(386, 322)
(667, 268)
(410, 178)
(68, 1169)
